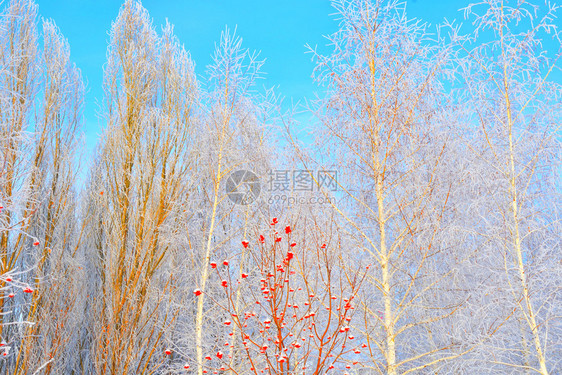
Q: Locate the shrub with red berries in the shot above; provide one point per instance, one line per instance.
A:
(284, 313)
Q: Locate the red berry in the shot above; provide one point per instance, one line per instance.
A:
(274, 221)
(28, 290)
(168, 351)
(8, 278)
(225, 262)
(219, 355)
(197, 292)
(262, 238)
(288, 229)
(11, 295)
(186, 366)
(213, 265)
(245, 243)
(36, 243)
(224, 283)
(244, 275)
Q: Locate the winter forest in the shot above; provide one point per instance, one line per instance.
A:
(407, 220)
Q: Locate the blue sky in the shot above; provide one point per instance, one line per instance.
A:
(279, 29)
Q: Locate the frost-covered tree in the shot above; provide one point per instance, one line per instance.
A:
(294, 311)
(232, 116)
(150, 93)
(511, 115)
(40, 114)
(384, 117)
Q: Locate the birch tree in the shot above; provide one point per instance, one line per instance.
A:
(507, 70)
(230, 137)
(383, 118)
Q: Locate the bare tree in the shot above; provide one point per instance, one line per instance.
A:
(230, 157)
(295, 306)
(41, 106)
(512, 116)
(384, 121)
(150, 92)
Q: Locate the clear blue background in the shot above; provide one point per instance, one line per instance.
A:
(278, 28)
